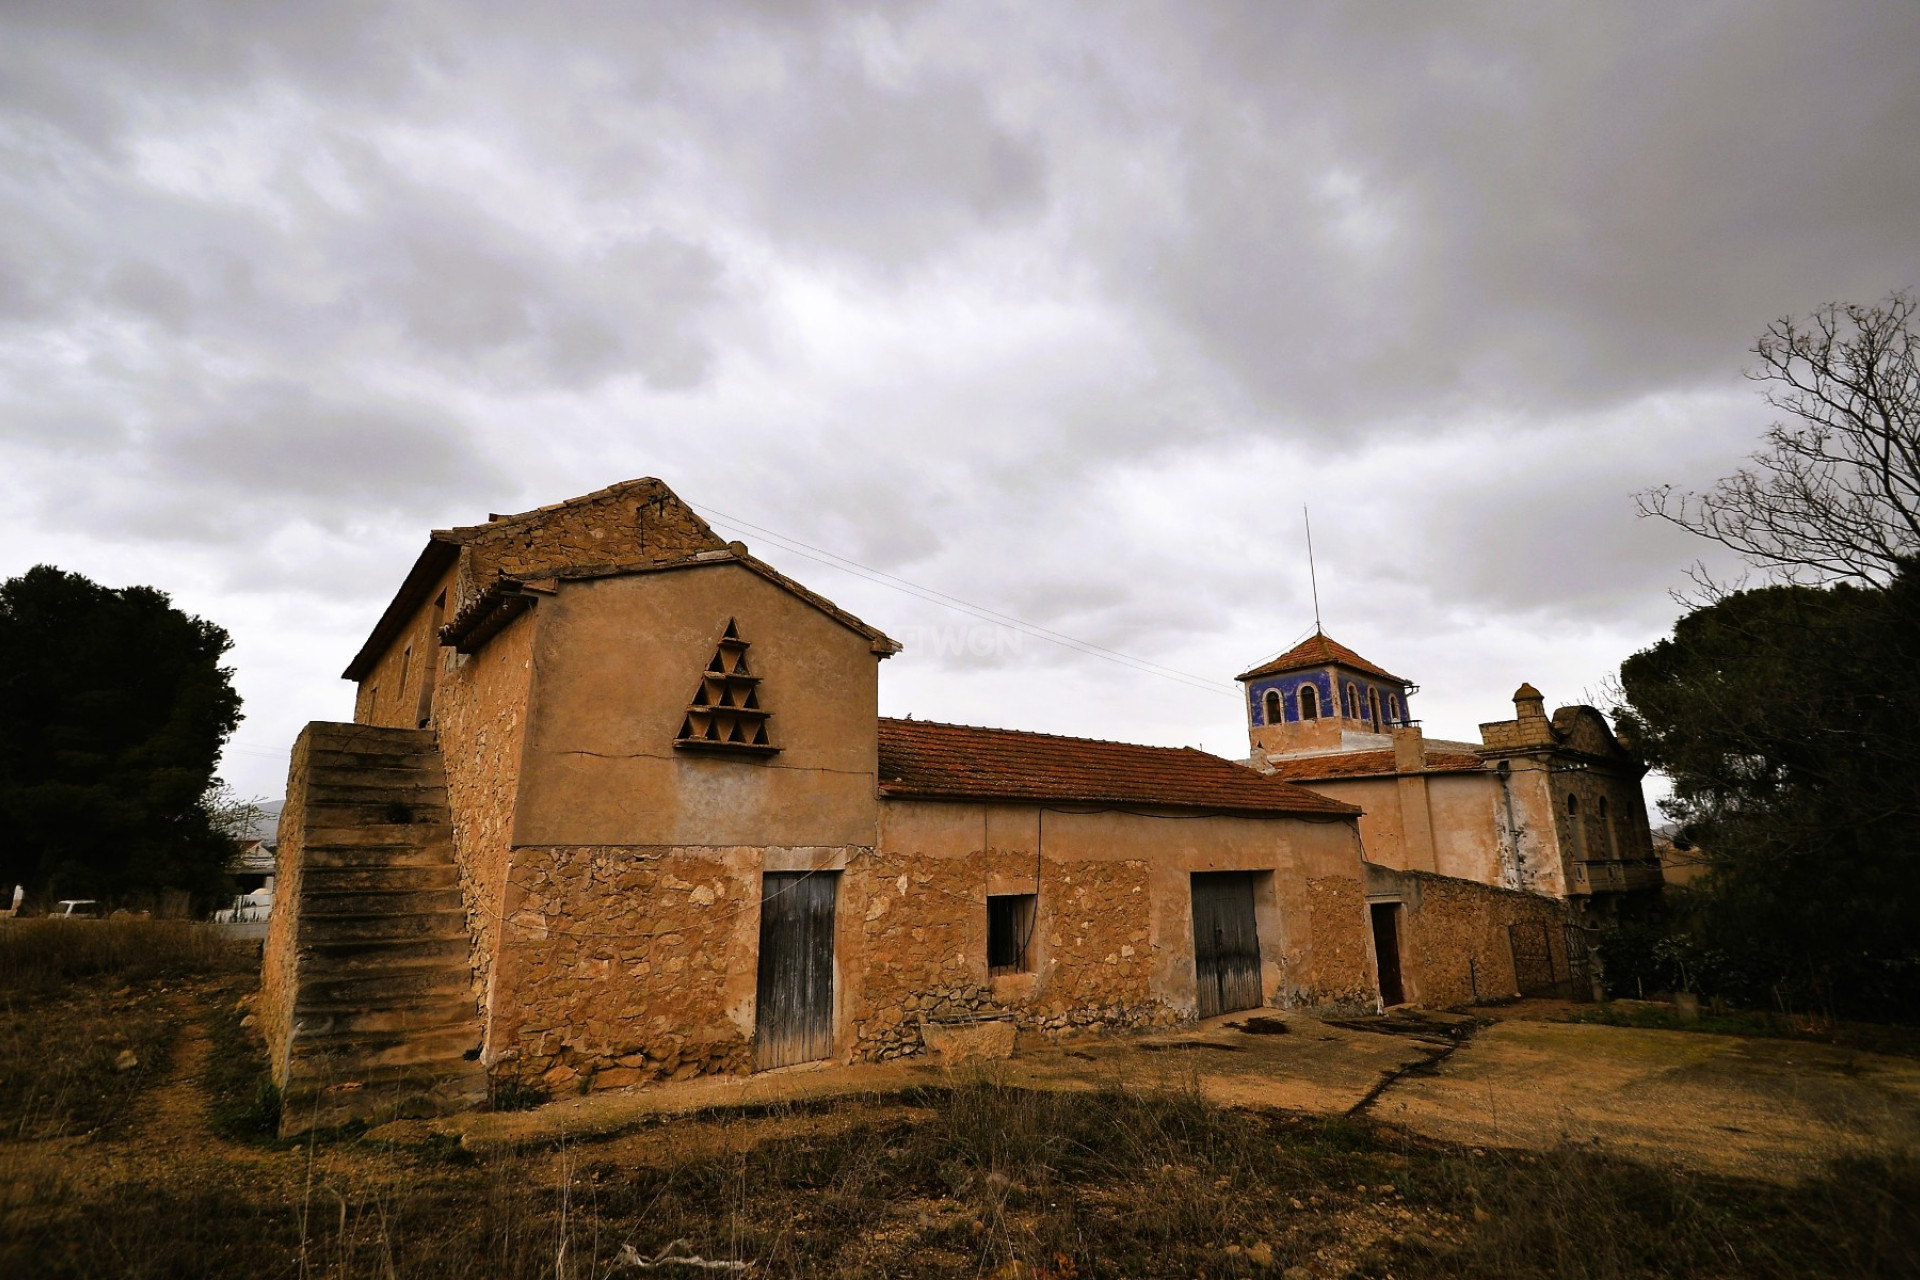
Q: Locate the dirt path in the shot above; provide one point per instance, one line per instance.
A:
(174, 1112)
(1756, 1107)
(1313, 1066)
(1739, 1105)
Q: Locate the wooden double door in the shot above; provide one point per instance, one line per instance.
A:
(794, 1009)
(1226, 942)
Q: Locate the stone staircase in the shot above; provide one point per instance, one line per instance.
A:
(367, 999)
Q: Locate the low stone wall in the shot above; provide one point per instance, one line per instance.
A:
(1454, 947)
(624, 965)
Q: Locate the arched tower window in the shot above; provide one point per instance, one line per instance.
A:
(1393, 709)
(1272, 704)
(1373, 707)
(1606, 827)
(1579, 828)
(1350, 702)
(1309, 702)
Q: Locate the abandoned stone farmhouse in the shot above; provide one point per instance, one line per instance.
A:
(617, 807)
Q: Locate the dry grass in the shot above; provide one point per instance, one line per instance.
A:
(46, 955)
(978, 1179)
(85, 1022)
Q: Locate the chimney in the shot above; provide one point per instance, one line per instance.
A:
(1409, 749)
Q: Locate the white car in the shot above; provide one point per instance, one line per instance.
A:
(78, 909)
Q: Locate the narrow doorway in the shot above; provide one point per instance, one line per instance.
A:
(1386, 951)
(1226, 942)
(794, 1010)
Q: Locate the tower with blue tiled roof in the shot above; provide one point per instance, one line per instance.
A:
(1321, 696)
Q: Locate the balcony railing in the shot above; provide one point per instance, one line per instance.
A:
(1613, 875)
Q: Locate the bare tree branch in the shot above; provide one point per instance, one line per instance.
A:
(1835, 495)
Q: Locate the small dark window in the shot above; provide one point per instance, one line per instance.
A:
(1309, 702)
(1373, 706)
(1272, 704)
(1010, 933)
(1351, 699)
(1573, 806)
(1393, 708)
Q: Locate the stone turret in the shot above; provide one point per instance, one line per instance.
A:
(1529, 727)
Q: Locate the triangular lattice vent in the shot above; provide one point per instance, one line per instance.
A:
(725, 712)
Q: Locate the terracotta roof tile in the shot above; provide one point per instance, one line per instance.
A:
(920, 758)
(1361, 764)
(1319, 650)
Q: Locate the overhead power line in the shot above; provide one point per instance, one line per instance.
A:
(893, 582)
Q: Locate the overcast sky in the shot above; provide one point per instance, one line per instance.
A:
(1060, 309)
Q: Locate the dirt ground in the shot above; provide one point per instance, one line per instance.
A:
(1739, 1105)
(1774, 1109)
(1035, 1166)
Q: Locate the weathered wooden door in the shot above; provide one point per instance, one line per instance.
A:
(1226, 943)
(794, 1013)
(1386, 951)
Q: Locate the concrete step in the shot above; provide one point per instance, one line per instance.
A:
(362, 956)
(340, 736)
(326, 905)
(385, 989)
(318, 882)
(349, 812)
(371, 788)
(425, 763)
(325, 835)
(326, 930)
(440, 1015)
(311, 1102)
(359, 1051)
(423, 853)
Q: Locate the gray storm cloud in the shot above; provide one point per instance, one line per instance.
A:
(1066, 309)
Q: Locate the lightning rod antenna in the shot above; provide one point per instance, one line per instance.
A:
(1313, 575)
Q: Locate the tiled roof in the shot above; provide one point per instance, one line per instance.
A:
(920, 758)
(1319, 650)
(1361, 764)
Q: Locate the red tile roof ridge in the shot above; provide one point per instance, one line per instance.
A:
(1041, 733)
(1364, 764)
(1318, 650)
(933, 759)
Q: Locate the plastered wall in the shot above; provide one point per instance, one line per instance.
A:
(616, 661)
(390, 694)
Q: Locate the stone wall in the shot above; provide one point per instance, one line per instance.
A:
(922, 947)
(479, 722)
(1339, 973)
(629, 964)
(1454, 947)
(625, 964)
(279, 960)
(389, 694)
(624, 525)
